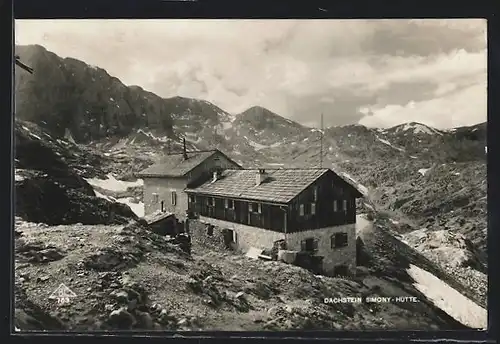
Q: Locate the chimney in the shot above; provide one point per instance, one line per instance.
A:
(184, 152)
(260, 177)
(216, 175)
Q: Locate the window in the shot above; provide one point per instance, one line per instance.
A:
(174, 198)
(335, 206)
(192, 198)
(301, 210)
(254, 207)
(211, 201)
(313, 208)
(229, 204)
(162, 206)
(338, 240)
(309, 245)
(344, 205)
(155, 197)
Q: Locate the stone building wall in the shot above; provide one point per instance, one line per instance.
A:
(332, 256)
(164, 188)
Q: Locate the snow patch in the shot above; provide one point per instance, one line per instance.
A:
(18, 177)
(389, 144)
(423, 171)
(100, 195)
(448, 299)
(35, 136)
(148, 134)
(256, 145)
(419, 128)
(111, 98)
(137, 208)
(363, 189)
(113, 184)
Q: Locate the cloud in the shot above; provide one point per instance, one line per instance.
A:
(460, 108)
(296, 68)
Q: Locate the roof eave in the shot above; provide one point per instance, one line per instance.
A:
(202, 193)
(150, 175)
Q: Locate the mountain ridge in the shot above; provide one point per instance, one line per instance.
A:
(382, 160)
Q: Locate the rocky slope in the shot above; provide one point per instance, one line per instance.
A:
(417, 176)
(130, 278)
(67, 96)
(49, 187)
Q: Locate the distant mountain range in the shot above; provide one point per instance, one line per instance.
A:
(421, 175)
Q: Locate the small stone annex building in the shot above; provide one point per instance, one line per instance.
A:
(164, 183)
(312, 210)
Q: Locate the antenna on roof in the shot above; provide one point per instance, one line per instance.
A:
(321, 144)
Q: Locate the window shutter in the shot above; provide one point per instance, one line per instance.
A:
(335, 206)
(315, 244)
(301, 210)
(226, 203)
(313, 208)
(344, 205)
(259, 208)
(235, 237)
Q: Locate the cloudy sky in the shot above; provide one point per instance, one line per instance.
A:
(373, 72)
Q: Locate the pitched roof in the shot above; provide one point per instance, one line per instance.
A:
(281, 185)
(156, 216)
(174, 165)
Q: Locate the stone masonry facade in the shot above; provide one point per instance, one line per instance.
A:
(164, 187)
(247, 236)
(332, 256)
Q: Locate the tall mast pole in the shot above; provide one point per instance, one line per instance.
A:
(321, 147)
